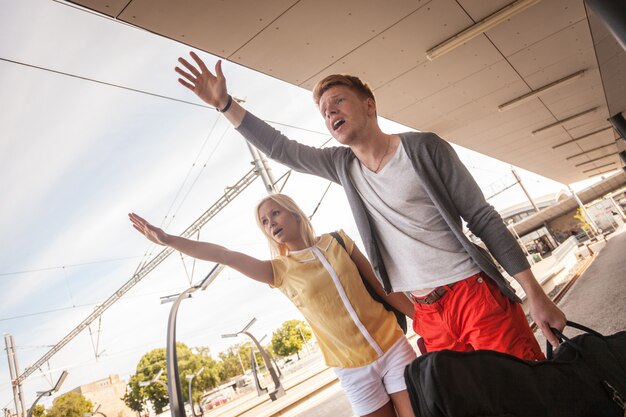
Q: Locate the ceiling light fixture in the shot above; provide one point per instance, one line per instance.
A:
(480, 27)
(602, 172)
(601, 166)
(567, 119)
(583, 137)
(594, 160)
(591, 150)
(553, 85)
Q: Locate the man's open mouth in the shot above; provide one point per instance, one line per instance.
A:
(338, 123)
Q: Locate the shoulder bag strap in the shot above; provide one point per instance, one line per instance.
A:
(400, 317)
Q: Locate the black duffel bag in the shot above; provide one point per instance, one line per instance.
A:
(585, 377)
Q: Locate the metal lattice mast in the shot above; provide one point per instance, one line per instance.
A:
(229, 195)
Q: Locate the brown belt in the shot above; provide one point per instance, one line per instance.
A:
(436, 294)
(432, 296)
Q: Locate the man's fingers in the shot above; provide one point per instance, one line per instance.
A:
(190, 67)
(200, 63)
(550, 337)
(186, 75)
(186, 84)
(218, 69)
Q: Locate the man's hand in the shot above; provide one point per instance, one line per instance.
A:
(542, 310)
(208, 87)
(546, 315)
(153, 233)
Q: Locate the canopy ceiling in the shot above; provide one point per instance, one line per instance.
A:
(457, 94)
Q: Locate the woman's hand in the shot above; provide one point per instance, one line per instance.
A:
(153, 233)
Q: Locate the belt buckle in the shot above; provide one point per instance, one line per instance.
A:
(433, 297)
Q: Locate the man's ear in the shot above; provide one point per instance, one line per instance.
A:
(371, 106)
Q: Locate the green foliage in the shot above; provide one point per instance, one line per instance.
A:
(290, 337)
(156, 392)
(39, 411)
(71, 404)
(232, 360)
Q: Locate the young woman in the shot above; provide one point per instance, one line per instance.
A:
(357, 336)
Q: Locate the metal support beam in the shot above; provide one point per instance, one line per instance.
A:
(592, 223)
(262, 166)
(619, 123)
(14, 370)
(613, 14)
(519, 181)
(229, 195)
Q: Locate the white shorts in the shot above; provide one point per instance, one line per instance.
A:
(368, 387)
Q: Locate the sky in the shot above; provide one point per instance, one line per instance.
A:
(93, 125)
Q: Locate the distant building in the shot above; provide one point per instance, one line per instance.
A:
(606, 211)
(108, 393)
(544, 239)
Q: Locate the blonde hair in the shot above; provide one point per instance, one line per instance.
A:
(306, 228)
(354, 83)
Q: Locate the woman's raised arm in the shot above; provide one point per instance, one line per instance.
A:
(252, 267)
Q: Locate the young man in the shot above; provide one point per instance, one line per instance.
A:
(408, 193)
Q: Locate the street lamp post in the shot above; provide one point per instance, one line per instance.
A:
(255, 373)
(271, 356)
(48, 393)
(190, 379)
(177, 405)
(96, 411)
(155, 379)
(279, 391)
(308, 351)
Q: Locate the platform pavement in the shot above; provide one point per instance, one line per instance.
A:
(598, 297)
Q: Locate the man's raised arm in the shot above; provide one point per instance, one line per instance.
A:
(210, 88)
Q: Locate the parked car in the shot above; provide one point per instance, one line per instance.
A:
(215, 401)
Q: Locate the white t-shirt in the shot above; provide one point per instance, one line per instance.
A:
(418, 248)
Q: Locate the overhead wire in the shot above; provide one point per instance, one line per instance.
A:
(76, 265)
(226, 130)
(321, 199)
(193, 164)
(147, 253)
(67, 74)
(136, 90)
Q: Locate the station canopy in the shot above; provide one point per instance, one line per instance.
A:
(529, 82)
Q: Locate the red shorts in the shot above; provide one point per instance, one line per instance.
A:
(472, 315)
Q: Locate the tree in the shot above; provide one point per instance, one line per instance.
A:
(233, 359)
(154, 361)
(39, 411)
(71, 404)
(290, 337)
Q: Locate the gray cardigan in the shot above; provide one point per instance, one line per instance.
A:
(447, 181)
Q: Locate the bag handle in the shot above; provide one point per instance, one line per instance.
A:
(565, 339)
